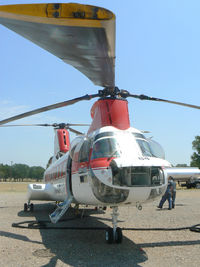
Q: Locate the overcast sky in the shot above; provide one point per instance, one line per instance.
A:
(157, 54)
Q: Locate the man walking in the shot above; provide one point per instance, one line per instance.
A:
(167, 195)
(173, 191)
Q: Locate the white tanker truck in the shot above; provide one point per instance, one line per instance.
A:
(185, 176)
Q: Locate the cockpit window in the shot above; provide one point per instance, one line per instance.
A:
(149, 147)
(156, 149)
(105, 147)
(84, 152)
(103, 135)
(139, 135)
(137, 176)
(145, 147)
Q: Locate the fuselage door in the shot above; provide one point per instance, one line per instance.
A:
(83, 161)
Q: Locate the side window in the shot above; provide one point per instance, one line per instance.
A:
(72, 152)
(84, 152)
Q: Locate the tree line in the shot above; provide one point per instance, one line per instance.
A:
(20, 172)
(195, 157)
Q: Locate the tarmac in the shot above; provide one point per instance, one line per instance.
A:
(143, 246)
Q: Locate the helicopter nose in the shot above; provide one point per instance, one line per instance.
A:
(133, 176)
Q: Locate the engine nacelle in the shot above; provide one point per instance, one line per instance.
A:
(61, 141)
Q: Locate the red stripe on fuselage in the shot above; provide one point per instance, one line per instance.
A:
(58, 171)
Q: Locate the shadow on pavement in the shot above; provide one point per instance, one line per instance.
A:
(82, 247)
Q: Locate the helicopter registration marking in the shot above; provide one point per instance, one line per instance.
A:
(143, 158)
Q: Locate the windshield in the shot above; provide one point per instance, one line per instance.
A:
(144, 145)
(105, 147)
(124, 143)
(156, 149)
(150, 148)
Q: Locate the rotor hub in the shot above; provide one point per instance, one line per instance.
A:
(113, 92)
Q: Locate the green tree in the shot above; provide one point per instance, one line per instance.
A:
(4, 172)
(36, 172)
(20, 171)
(195, 158)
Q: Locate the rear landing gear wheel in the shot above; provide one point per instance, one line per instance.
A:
(109, 235)
(31, 207)
(25, 207)
(28, 207)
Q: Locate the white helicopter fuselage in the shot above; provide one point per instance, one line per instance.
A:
(123, 175)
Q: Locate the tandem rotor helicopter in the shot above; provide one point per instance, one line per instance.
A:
(114, 164)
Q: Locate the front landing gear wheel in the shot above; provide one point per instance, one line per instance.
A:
(109, 235)
(118, 235)
(114, 236)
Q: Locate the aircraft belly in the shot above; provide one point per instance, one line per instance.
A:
(82, 191)
(51, 191)
(60, 189)
(138, 195)
(145, 194)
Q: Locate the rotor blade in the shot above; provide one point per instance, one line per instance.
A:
(145, 97)
(19, 125)
(50, 107)
(80, 35)
(77, 124)
(45, 125)
(75, 131)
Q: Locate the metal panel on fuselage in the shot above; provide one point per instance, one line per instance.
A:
(56, 174)
(81, 184)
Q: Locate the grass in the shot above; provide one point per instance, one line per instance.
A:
(13, 187)
(22, 186)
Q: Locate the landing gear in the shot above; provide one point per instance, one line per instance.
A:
(31, 207)
(25, 207)
(28, 207)
(118, 235)
(114, 234)
(77, 211)
(109, 235)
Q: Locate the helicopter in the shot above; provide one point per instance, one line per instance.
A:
(114, 164)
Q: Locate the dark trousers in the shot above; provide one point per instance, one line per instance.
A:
(164, 198)
(173, 199)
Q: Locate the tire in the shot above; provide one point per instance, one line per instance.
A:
(31, 207)
(109, 235)
(118, 235)
(25, 207)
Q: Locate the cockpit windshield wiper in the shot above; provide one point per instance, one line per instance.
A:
(112, 154)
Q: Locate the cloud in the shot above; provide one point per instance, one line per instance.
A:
(8, 109)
